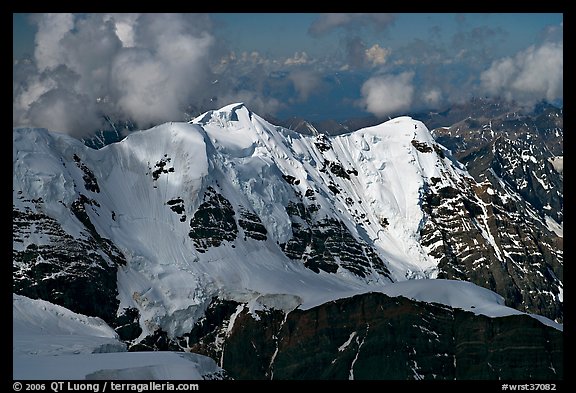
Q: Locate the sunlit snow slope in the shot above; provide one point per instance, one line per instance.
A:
(51, 342)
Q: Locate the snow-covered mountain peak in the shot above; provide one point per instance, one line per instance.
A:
(152, 193)
(371, 179)
(231, 117)
(231, 206)
(190, 233)
(235, 112)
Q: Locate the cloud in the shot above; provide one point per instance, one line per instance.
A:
(387, 94)
(528, 77)
(477, 36)
(377, 55)
(51, 29)
(63, 110)
(145, 67)
(305, 82)
(432, 98)
(553, 33)
(168, 68)
(357, 55)
(479, 43)
(419, 51)
(28, 85)
(140, 82)
(328, 22)
(124, 27)
(355, 52)
(254, 58)
(86, 50)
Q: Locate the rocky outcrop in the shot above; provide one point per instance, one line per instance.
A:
(214, 222)
(90, 182)
(252, 225)
(374, 336)
(76, 273)
(497, 235)
(483, 238)
(326, 244)
(515, 149)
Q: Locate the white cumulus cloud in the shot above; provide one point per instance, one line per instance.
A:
(144, 67)
(305, 82)
(388, 94)
(377, 55)
(432, 97)
(51, 29)
(529, 76)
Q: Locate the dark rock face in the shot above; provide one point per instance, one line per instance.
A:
(523, 166)
(90, 181)
(479, 238)
(326, 244)
(322, 143)
(508, 155)
(374, 336)
(158, 341)
(162, 167)
(513, 148)
(209, 333)
(422, 147)
(337, 169)
(214, 222)
(252, 225)
(514, 348)
(127, 325)
(177, 206)
(78, 208)
(76, 273)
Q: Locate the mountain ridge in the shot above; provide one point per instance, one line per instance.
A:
(229, 206)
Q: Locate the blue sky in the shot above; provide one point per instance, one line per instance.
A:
(69, 69)
(284, 34)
